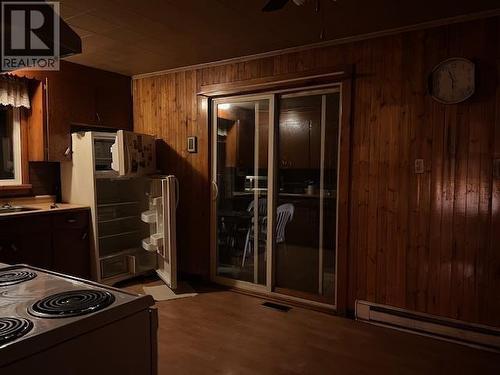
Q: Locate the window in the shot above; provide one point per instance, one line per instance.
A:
(10, 146)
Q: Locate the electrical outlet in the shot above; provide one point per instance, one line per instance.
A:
(419, 166)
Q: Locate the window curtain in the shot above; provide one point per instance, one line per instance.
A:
(14, 92)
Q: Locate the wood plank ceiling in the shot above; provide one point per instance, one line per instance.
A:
(133, 37)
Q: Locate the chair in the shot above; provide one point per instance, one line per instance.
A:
(284, 214)
(262, 206)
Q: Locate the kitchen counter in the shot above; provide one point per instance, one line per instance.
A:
(42, 208)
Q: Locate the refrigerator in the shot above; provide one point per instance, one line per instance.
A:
(133, 209)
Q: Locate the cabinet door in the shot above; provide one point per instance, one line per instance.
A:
(300, 133)
(71, 246)
(70, 101)
(114, 103)
(26, 240)
(76, 95)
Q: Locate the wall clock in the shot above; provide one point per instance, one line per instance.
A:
(453, 81)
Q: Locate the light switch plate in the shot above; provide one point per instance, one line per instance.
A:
(192, 145)
(419, 166)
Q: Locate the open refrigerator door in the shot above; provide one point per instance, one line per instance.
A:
(161, 217)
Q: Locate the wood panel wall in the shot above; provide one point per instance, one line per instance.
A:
(428, 242)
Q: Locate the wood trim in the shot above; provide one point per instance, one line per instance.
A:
(7, 191)
(23, 119)
(297, 80)
(343, 203)
(205, 117)
(15, 187)
(36, 122)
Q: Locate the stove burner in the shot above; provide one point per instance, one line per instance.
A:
(13, 328)
(71, 303)
(15, 277)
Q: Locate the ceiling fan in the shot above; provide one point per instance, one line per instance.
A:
(273, 5)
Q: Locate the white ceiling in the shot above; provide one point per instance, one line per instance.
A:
(134, 36)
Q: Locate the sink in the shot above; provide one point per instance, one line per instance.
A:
(11, 209)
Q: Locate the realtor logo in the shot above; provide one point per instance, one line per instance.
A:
(30, 35)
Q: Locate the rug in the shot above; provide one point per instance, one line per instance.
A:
(164, 293)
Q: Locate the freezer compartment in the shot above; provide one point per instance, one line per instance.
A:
(129, 263)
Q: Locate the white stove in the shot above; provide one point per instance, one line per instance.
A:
(52, 323)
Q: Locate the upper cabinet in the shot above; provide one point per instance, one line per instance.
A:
(75, 95)
(300, 132)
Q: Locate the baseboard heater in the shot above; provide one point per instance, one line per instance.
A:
(475, 335)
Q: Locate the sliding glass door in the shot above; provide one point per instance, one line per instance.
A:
(240, 148)
(306, 213)
(275, 180)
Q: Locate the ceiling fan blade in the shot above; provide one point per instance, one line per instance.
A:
(273, 5)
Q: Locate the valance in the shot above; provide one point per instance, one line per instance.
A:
(14, 92)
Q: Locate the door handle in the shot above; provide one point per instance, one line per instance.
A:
(215, 190)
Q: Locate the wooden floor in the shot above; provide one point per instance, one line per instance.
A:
(223, 332)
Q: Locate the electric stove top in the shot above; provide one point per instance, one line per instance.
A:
(48, 318)
(35, 304)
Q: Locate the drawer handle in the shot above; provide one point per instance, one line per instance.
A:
(71, 221)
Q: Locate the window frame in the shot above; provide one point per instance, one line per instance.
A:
(17, 150)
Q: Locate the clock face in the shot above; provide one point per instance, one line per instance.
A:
(453, 81)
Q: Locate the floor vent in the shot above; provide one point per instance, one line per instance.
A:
(277, 306)
(429, 325)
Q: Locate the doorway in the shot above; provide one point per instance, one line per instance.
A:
(275, 178)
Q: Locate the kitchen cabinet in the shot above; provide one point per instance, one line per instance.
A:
(75, 95)
(70, 244)
(240, 138)
(57, 241)
(299, 139)
(25, 241)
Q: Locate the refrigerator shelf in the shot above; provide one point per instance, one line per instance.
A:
(119, 234)
(125, 251)
(117, 204)
(116, 219)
